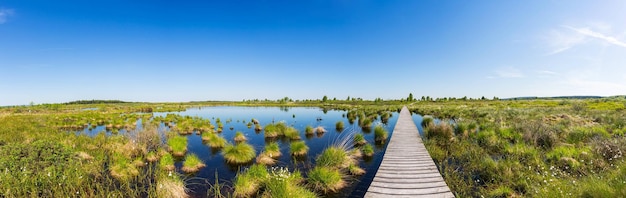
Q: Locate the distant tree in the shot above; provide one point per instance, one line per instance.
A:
(410, 98)
(325, 98)
(483, 98)
(348, 99)
(423, 98)
(334, 99)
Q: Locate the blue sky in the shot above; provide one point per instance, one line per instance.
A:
(59, 51)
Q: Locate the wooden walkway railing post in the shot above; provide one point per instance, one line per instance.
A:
(407, 170)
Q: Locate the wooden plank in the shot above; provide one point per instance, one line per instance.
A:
(407, 170)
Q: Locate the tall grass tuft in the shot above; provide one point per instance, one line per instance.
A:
(380, 134)
(239, 137)
(339, 125)
(167, 162)
(239, 154)
(192, 164)
(299, 148)
(325, 179)
(178, 145)
(359, 139)
(273, 150)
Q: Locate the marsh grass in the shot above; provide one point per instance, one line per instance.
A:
(265, 159)
(298, 148)
(167, 162)
(339, 125)
(216, 141)
(239, 154)
(273, 150)
(239, 137)
(325, 179)
(178, 145)
(192, 164)
(292, 133)
(380, 134)
(359, 139)
(308, 130)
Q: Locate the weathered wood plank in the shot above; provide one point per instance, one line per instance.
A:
(407, 170)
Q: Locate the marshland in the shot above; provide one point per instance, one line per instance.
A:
(492, 148)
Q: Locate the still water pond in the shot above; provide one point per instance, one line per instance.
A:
(236, 119)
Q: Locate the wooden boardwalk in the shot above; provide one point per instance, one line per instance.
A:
(407, 170)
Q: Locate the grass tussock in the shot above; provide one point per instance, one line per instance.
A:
(359, 139)
(192, 164)
(167, 162)
(308, 130)
(178, 145)
(239, 154)
(380, 134)
(367, 150)
(325, 179)
(339, 125)
(272, 150)
(298, 148)
(265, 159)
(239, 137)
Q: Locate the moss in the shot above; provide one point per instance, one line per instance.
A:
(178, 145)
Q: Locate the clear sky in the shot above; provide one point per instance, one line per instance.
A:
(59, 51)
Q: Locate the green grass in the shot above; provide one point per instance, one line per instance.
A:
(380, 133)
(239, 154)
(284, 184)
(192, 164)
(339, 125)
(273, 150)
(248, 183)
(333, 157)
(325, 179)
(368, 150)
(167, 162)
(217, 141)
(298, 148)
(308, 130)
(239, 137)
(359, 139)
(354, 169)
(178, 145)
(292, 133)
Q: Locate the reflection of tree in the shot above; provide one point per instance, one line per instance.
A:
(285, 109)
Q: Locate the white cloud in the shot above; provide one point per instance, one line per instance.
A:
(4, 14)
(560, 41)
(546, 72)
(598, 35)
(509, 72)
